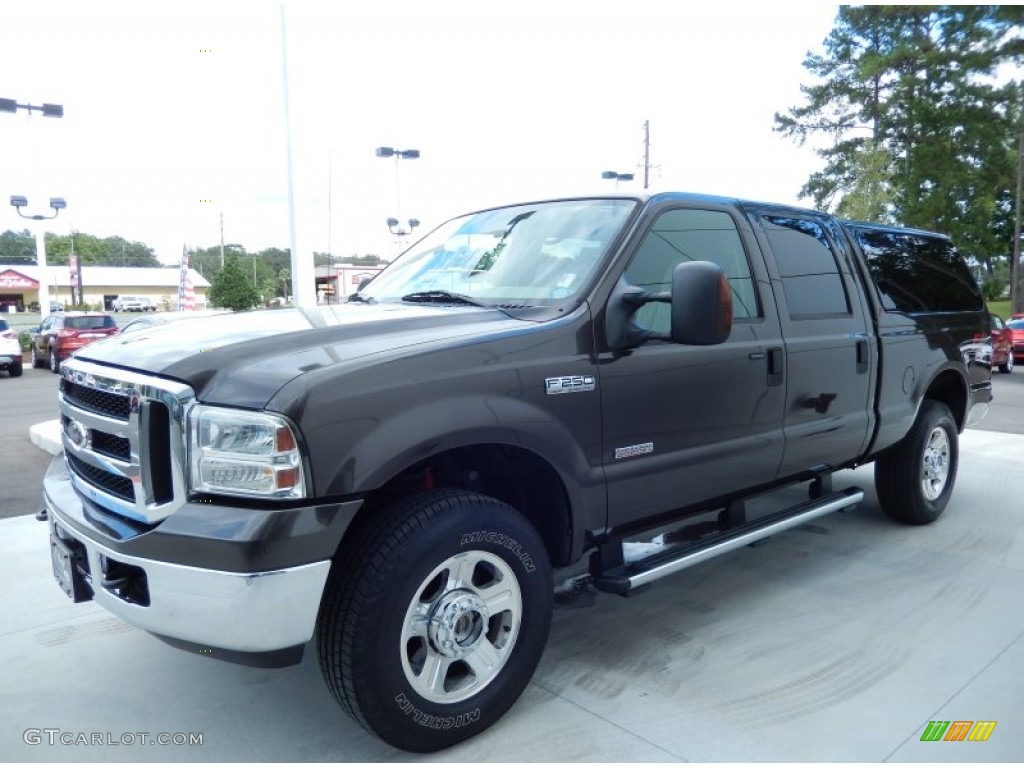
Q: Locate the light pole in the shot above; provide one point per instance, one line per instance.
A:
(57, 204)
(399, 154)
(48, 110)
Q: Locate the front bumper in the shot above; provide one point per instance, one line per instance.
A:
(220, 578)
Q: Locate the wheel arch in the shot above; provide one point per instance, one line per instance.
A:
(512, 474)
(950, 388)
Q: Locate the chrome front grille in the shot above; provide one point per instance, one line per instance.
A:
(124, 438)
(113, 404)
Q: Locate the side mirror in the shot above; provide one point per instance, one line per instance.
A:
(701, 315)
(701, 304)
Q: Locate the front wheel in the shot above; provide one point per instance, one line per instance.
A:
(54, 361)
(915, 478)
(435, 617)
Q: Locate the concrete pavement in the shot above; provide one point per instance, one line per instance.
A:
(838, 641)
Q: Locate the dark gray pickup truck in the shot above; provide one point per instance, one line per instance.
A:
(416, 476)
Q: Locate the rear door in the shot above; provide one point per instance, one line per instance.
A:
(831, 355)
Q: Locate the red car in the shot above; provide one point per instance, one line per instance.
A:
(1016, 327)
(1002, 344)
(64, 332)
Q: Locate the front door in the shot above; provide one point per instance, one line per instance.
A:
(684, 423)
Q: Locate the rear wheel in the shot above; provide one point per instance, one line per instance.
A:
(435, 618)
(1007, 367)
(15, 369)
(915, 478)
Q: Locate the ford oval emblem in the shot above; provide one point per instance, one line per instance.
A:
(77, 434)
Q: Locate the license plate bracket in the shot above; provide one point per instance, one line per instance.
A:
(67, 572)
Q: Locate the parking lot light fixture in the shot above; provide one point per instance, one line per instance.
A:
(399, 231)
(48, 110)
(617, 177)
(56, 203)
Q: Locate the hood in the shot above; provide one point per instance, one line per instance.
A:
(242, 359)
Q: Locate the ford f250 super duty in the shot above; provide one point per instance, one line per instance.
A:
(413, 476)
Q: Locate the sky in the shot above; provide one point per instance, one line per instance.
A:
(174, 113)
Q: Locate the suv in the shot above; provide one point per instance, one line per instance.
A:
(133, 304)
(10, 349)
(62, 333)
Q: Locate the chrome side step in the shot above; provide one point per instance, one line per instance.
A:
(623, 577)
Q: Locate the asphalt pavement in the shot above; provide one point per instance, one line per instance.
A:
(838, 641)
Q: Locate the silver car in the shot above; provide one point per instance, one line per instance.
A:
(10, 349)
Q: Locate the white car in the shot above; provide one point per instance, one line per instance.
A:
(10, 350)
(133, 304)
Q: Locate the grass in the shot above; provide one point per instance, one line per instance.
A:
(1001, 308)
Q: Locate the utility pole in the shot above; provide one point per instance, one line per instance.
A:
(1016, 278)
(647, 153)
(330, 169)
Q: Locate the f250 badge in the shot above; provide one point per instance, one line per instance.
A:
(566, 385)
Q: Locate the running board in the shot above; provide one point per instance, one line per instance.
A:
(622, 579)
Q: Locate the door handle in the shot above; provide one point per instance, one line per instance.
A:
(776, 364)
(862, 355)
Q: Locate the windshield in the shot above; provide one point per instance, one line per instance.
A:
(524, 256)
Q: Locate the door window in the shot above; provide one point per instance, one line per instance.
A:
(691, 235)
(808, 267)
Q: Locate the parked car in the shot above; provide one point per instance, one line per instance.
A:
(1016, 327)
(1002, 344)
(62, 333)
(10, 350)
(133, 304)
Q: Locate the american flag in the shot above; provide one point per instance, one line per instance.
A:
(186, 293)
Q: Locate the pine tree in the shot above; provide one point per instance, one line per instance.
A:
(914, 88)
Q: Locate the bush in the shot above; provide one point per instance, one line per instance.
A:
(993, 290)
(25, 338)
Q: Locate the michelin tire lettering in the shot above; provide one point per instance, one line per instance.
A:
(492, 537)
(431, 721)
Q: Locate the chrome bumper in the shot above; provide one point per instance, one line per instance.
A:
(245, 612)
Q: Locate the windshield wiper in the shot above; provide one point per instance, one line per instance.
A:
(443, 297)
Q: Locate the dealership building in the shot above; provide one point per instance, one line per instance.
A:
(19, 285)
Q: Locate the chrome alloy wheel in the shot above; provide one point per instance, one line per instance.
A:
(935, 464)
(461, 627)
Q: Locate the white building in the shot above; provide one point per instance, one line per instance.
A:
(19, 285)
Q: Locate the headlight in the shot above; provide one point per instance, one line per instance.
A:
(244, 453)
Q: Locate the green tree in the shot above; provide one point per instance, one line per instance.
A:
(106, 252)
(917, 84)
(17, 247)
(869, 196)
(231, 287)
